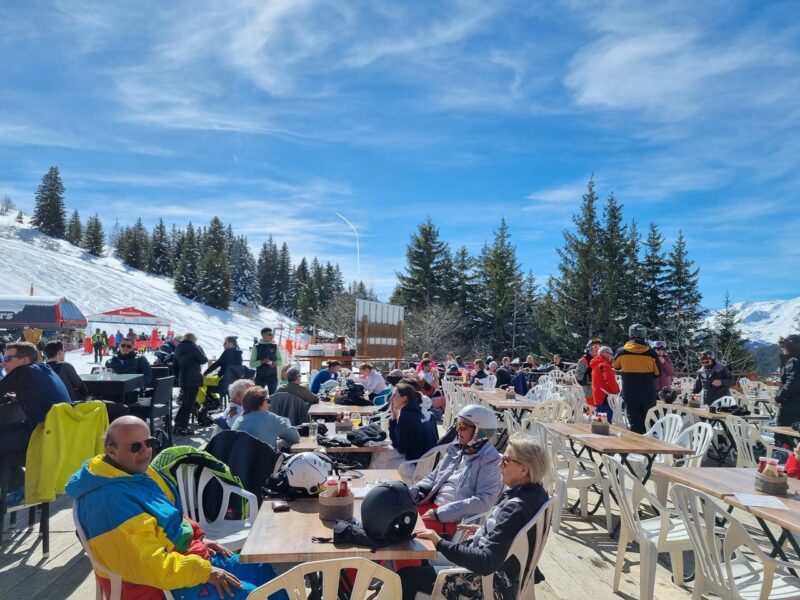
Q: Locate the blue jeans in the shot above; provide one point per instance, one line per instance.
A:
(251, 577)
(605, 408)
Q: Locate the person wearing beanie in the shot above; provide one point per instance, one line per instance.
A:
(604, 381)
(639, 366)
(714, 379)
(788, 396)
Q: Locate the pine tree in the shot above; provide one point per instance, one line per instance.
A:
(135, 248)
(6, 206)
(526, 334)
(654, 275)
(566, 315)
(93, 236)
(728, 342)
(501, 282)
(613, 253)
(161, 261)
(300, 279)
(176, 243)
(283, 281)
(214, 287)
(684, 313)
(75, 229)
(424, 279)
(19, 218)
(267, 270)
(187, 273)
(464, 285)
(243, 273)
(49, 214)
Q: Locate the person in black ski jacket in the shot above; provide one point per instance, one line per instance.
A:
(788, 396)
(54, 353)
(229, 364)
(714, 379)
(190, 359)
(524, 465)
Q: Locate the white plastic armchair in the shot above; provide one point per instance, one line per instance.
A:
(618, 416)
(512, 423)
(746, 436)
(697, 438)
(293, 581)
(520, 549)
(664, 533)
(721, 567)
(424, 464)
(724, 402)
(661, 410)
(228, 532)
(100, 571)
(553, 411)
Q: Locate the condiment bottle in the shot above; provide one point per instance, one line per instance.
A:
(344, 488)
(331, 485)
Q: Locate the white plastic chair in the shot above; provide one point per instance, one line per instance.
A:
(424, 464)
(556, 486)
(724, 401)
(666, 429)
(664, 533)
(746, 436)
(697, 438)
(618, 416)
(228, 532)
(293, 581)
(491, 382)
(554, 411)
(100, 571)
(573, 472)
(720, 566)
(519, 549)
(662, 410)
(512, 424)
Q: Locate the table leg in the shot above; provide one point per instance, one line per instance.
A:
(777, 546)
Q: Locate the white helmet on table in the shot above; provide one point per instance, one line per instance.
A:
(305, 472)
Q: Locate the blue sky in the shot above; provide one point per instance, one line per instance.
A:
(275, 114)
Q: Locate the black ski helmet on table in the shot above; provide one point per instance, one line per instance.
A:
(388, 513)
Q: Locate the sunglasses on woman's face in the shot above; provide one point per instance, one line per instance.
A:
(461, 426)
(504, 460)
(136, 447)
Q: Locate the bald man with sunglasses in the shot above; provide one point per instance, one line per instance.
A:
(135, 527)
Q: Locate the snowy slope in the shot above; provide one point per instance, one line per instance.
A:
(765, 321)
(56, 268)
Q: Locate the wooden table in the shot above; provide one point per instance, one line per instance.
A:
(286, 537)
(620, 441)
(785, 430)
(497, 400)
(722, 483)
(327, 409)
(306, 444)
(112, 386)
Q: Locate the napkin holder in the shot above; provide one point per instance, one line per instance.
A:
(344, 426)
(774, 486)
(336, 508)
(601, 428)
(511, 394)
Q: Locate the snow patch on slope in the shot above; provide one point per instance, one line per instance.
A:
(57, 268)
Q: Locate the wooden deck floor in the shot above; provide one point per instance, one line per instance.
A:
(578, 563)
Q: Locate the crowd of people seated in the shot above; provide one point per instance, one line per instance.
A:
(135, 526)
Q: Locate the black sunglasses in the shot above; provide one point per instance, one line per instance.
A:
(126, 345)
(136, 447)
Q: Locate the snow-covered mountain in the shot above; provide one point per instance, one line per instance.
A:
(766, 320)
(57, 268)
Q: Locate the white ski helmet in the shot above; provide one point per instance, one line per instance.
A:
(484, 419)
(306, 472)
(329, 385)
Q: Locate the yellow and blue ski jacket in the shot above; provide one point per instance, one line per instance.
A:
(135, 527)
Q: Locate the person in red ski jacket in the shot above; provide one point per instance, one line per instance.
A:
(604, 381)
